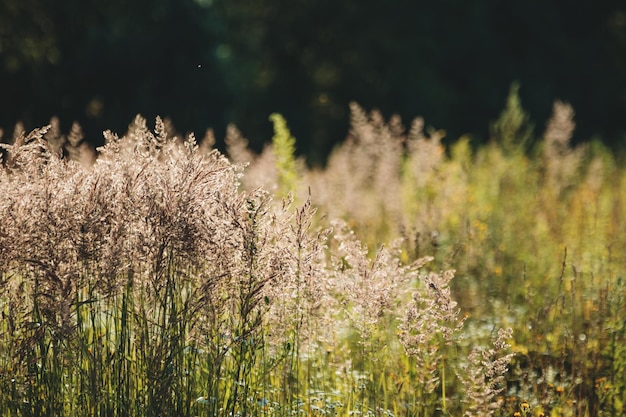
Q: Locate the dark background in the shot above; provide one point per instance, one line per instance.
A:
(206, 63)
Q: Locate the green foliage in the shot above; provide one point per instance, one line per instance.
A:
(513, 130)
(284, 148)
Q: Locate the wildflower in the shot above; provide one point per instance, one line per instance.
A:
(525, 408)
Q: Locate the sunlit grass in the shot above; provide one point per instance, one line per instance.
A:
(536, 235)
(149, 284)
(161, 281)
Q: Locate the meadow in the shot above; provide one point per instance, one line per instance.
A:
(404, 278)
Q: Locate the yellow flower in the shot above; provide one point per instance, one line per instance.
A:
(524, 408)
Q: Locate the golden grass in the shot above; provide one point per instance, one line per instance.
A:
(161, 280)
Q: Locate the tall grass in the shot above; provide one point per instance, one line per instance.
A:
(533, 225)
(165, 279)
(152, 283)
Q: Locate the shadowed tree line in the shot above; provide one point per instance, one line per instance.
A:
(206, 63)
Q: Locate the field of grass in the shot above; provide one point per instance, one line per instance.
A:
(402, 279)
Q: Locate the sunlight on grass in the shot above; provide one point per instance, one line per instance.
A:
(167, 280)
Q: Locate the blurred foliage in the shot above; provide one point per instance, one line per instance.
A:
(205, 63)
(284, 146)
